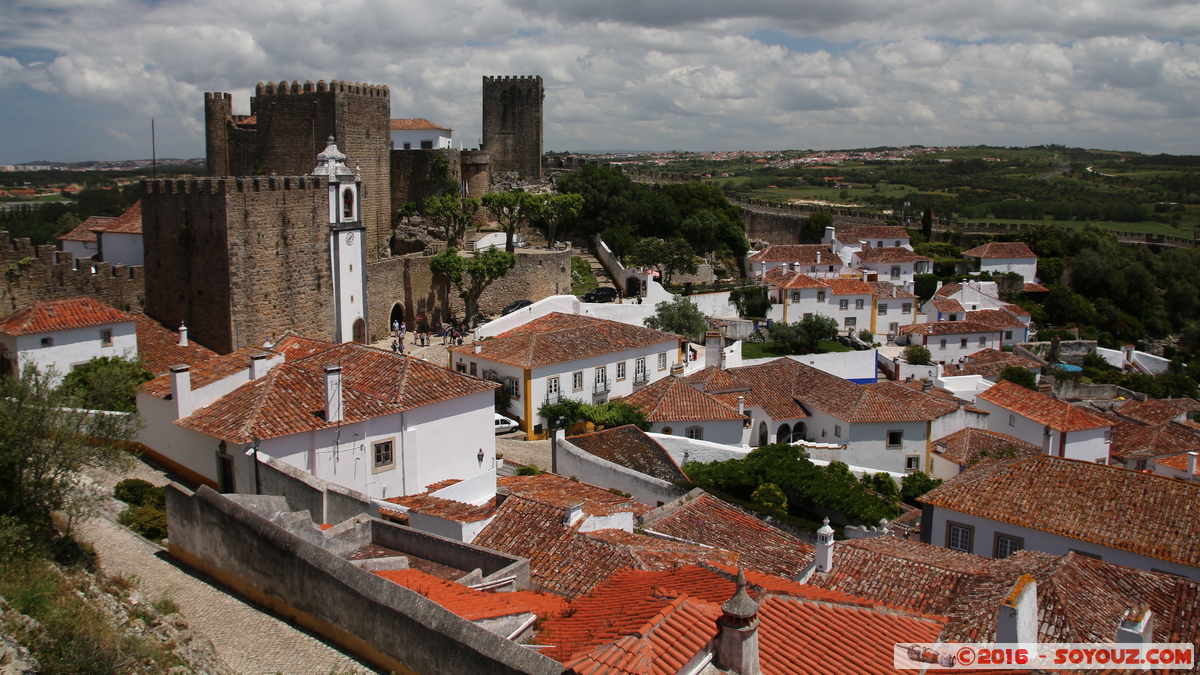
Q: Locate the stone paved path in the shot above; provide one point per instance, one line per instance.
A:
(249, 640)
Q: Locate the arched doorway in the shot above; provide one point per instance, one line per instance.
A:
(784, 435)
(397, 315)
(360, 331)
(764, 435)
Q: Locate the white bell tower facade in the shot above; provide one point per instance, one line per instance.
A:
(347, 250)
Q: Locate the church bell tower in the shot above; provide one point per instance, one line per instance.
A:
(347, 250)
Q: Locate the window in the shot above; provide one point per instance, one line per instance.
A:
(897, 243)
(912, 463)
(620, 370)
(1102, 460)
(408, 146)
(982, 341)
(47, 342)
(667, 430)
(895, 271)
(942, 344)
(1108, 437)
(553, 393)
(963, 343)
(106, 337)
(384, 456)
(639, 371)
(895, 439)
(883, 310)
(514, 387)
(601, 373)
(460, 367)
(954, 317)
(812, 269)
(906, 308)
(837, 431)
(662, 361)
(880, 245)
(426, 145)
(1008, 335)
(843, 304)
(820, 296)
(851, 322)
(695, 432)
(958, 537)
(577, 380)
(1012, 420)
(347, 204)
(1006, 545)
(600, 383)
(807, 314)
(858, 304)
(1140, 465)
(795, 297)
(472, 367)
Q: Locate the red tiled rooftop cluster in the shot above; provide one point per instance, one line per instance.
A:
(159, 348)
(474, 605)
(1040, 408)
(560, 338)
(53, 315)
(998, 249)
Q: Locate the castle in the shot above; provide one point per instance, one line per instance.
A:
(245, 255)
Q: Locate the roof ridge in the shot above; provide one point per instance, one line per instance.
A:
(268, 388)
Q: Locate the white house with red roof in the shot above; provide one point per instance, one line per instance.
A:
(569, 356)
(952, 341)
(815, 260)
(380, 423)
(1004, 257)
(845, 242)
(112, 240)
(851, 302)
(418, 133)
(1059, 428)
(65, 334)
(893, 264)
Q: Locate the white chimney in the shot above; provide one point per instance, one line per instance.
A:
(741, 404)
(1017, 617)
(573, 513)
(712, 348)
(183, 342)
(737, 636)
(818, 257)
(333, 393)
(825, 548)
(1191, 465)
(477, 348)
(1137, 627)
(258, 365)
(181, 390)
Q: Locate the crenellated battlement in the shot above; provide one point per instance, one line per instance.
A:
(219, 186)
(36, 273)
(283, 87)
(500, 79)
(217, 96)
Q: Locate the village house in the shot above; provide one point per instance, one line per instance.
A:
(1005, 257)
(115, 240)
(1059, 428)
(623, 458)
(1146, 431)
(815, 260)
(1059, 506)
(61, 335)
(847, 241)
(893, 264)
(988, 364)
(674, 405)
(560, 356)
(962, 449)
(893, 309)
(952, 341)
(419, 134)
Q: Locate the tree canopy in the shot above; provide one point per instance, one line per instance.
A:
(472, 275)
(678, 316)
(107, 383)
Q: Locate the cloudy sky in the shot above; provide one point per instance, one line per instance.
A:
(80, 79)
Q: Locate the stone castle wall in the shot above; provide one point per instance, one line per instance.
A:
(36, 273)
(512, 124)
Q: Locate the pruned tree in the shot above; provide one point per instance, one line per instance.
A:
(453, 214)
(511, 210)
(472, 275)
(668, 257)
(553, 213)
(917, 355)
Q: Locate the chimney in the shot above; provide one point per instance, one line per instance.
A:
(737, 632)
(181, 390)
(818, 257)
(1137, 627)
(258, 365)
(1017, 617)
(1191, 465)
(926, 386)
(741, 404)
(712, 348)
(677, 370)
(477, 348)
(183, 342)
(333, 393)
(502, 493)
(573, 513)
(825, 548)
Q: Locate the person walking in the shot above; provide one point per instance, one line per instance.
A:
(395, 328)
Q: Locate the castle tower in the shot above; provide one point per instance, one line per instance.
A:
(218, 114)
(512, 124)
(346, 247)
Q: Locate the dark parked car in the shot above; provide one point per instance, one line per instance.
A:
(602, 294)
(520, 304)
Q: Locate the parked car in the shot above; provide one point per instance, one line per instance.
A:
(520, 304)
(503, 424)
(602, 294)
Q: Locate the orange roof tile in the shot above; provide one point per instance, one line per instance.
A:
(51, 315)
(1132, 440)
(1035, 288)
(416, 124)
(1015, 310)
(631, 448)
(159, 349)
(889, 254)
(949, 328)
(847, 286)
(1152, 411)
(948, 290)
(887, 290)
(804, 254)
(559, 492)
(968, 445)
(129, 222)
(562, 338)
(989, 362)
(206, 372)
(946, 305)
(866, 232)
(785, 278)
(474, 605)
(1177, 462)
(996, 318)
(1132, 511)
(86, 231)
(996, 249)
(930, 404)
(1040, 408)
(448, 509)
(673, 400)
(296, 347)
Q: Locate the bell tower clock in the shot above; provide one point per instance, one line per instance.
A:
(347, 250)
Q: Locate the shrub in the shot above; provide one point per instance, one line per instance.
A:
(529, 470)
(148, 521)
(917, 355)
(133, 491)
(769, 495)
(866, 336)
(1019, 375)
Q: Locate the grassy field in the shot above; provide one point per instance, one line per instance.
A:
(1148, 226)
(766, 350)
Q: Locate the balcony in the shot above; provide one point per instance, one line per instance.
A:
(602, 386)
(553, 397)
(640, 378)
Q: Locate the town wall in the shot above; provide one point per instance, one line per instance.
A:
(419, 174)
(512, 124)
(36, 273)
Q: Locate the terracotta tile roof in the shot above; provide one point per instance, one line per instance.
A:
(562, 338)
(51, 315)
(996, 318)
(448, 509)
(1132, 511)
(1132, 440)
(86, 231)
(930, 405)
(1041, 408)
(1015, 310)
(296, 347)
(673, 400)
(885, 290)
(416, 124)
(949, 328)
(966, 445)
(631, 448)
(663, 646)
(290, 399)
(948, 290)
(996, 249)
(714, 380)
(1178, 462)
(989, 362)
(1188, 404)
(1035, 288)
(158, 347)
(943, 395)
(947, 305)
(847, 286)
(771, 388)
(129, 222)
(785, 278)
(892, 232)
(206, 372)
(804, 254)
(559, 492)
(889, 254)
(474, 605)
(710, 521)
(1151, 412)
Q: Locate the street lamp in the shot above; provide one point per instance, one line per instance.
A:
(555, 423)
(480, 457)
(252, 451)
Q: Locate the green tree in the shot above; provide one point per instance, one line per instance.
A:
(1019, 375)
(668, 257)
(770, 496)
(917, 355)
(884, 485)
(46, 439)
(678, 316)
(564, 414)
(814, 226)
(453, 214)
(472, 275)
(610, 198)
(556, 213)
(927, 223)
(511, 210)
(107, 383)
(615, 414)
(916, 484)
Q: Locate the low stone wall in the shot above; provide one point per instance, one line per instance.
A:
(588, 468)
(453, 553)
(325, 502)
(392, 627)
